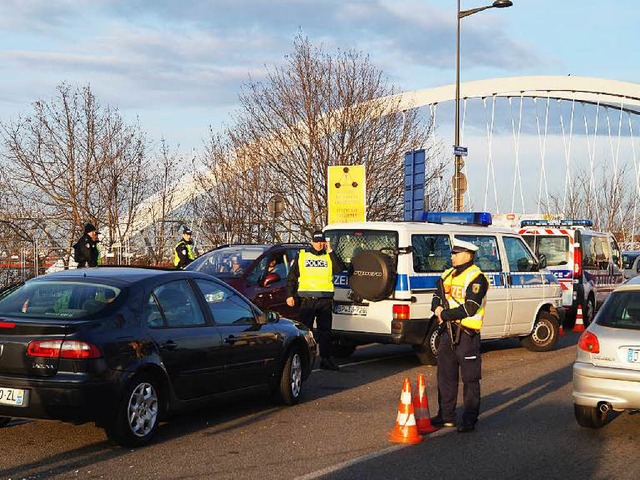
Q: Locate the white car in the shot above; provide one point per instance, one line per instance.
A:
(606, 373)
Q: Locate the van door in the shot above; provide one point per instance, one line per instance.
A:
(498, 308)
(527, 285)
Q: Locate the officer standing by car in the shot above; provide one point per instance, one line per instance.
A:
(183, 253)
(85, 250)
(459, 305)
(310, 285)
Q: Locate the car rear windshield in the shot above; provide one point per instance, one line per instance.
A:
(621, 310)
(55, 299)
(346, 243)
(554, 247)
(227, 261)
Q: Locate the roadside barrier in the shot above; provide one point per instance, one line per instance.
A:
(406, 430)
(421, 407)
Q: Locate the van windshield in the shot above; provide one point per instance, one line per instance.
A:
(347, 243)
(554, 247)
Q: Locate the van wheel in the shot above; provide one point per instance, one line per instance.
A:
(590, 417)
(428, 352)
(4, 421)
(544, 335)
(589, 311)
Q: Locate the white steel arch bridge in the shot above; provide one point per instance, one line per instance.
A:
(515, 165)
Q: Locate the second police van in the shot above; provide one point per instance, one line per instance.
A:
(587, 263)
(394, 269)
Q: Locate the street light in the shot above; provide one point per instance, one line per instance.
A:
(459, 180)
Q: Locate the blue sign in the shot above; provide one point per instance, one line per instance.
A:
(414, 176)
(460, 151)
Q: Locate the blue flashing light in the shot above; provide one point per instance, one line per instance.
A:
(459, 218)
(535, 223)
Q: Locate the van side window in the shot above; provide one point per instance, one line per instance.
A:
(431, 253)
(518, 256)
(616, 255)
(487, 258)
(596, 255)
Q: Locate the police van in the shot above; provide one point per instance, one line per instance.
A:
(587, 263)
(394, 267)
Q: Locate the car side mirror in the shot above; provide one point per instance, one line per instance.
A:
(270, 278)
(273, 317)
(542, 261)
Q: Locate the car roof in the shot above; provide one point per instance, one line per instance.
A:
(631, 284)
(123, 275)
(266, 246)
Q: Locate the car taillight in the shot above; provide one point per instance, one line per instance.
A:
(589, 342)
(401, 312)
(72, 349)
(577, 262)
(4, 324)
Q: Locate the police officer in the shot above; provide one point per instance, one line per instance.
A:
(183, 253)
(459, 307)
(86, 248)
(310, 283)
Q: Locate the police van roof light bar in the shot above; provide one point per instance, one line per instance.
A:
(558, 223)
(459, 218)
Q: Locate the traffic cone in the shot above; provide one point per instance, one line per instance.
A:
(579, 325)
(421, 407)
(561, 329)
(406, 430)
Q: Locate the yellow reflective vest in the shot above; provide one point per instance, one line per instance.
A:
(455, 288)
(188, 247)
(316, 275)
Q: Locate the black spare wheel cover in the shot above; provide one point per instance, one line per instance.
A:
(374, 275)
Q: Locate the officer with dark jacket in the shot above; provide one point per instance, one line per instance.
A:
(86, 248)
(183, 253)
(310, 285)
(459, 307)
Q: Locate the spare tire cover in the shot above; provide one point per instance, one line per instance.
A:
(374, 275)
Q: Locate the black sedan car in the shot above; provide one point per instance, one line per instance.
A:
(125, 347)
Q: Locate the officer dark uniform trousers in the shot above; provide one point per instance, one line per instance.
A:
(465, 288)
(311, 281)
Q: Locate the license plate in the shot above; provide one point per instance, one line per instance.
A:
(13, 396)
(633, 355)
(360, 310)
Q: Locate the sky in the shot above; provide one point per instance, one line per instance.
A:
(176, 67)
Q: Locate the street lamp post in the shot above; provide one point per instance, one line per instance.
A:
(459, 180)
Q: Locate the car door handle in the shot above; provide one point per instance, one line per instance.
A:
(231, 339)
(168, 345)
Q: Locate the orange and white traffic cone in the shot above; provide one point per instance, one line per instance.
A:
(406, 430)
(579, 325)
(561, 329)
(421, 407)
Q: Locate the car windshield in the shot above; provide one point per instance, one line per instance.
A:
(227, 261)
(56, 299)
(621, 310)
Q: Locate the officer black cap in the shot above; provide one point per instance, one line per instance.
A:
(318, 236)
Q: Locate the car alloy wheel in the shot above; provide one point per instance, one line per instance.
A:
(143, 410)
(291, 379)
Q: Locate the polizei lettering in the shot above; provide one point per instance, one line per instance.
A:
(363, 273)
(310, 263)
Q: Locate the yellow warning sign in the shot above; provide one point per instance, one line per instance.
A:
(347, 194)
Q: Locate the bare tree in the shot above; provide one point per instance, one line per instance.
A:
(73, 161)
(316, 111)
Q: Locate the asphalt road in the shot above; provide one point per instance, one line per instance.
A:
(340, 431)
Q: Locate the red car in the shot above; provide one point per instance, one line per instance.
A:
(257, 271)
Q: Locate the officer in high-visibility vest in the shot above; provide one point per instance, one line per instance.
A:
(459, 305)
(310, 285)
(183, 253)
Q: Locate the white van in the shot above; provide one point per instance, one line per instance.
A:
(587, 263)
(394, 269)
